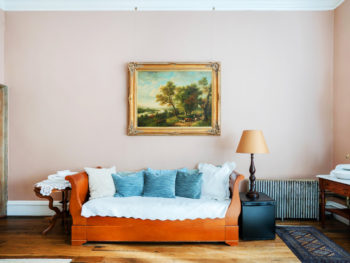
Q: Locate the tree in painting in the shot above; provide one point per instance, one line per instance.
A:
(166, 95)
(207, 101)
(188, 98)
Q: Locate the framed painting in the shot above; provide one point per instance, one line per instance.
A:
(174, 98)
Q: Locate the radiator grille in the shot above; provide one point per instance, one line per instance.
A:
(295, 199)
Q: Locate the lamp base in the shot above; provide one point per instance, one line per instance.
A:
(252, 195)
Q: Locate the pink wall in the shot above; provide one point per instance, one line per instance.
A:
(341, 83)
(2, 45)
(66, 72)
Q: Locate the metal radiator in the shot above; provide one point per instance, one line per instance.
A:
(297, 199)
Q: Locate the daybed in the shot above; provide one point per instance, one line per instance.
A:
(103, 228)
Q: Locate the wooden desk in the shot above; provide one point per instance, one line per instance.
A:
(335, 185)
(58, 213)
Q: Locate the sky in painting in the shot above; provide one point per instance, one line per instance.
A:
(149, 83)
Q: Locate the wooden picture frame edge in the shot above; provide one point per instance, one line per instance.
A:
(133, 130)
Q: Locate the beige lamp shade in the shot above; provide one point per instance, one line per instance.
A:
(252, 141)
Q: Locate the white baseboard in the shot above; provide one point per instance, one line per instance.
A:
(30, 208)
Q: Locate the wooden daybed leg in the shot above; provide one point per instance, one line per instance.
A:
(78, 242)
(231, 242)
(231, 235)
(78, 235)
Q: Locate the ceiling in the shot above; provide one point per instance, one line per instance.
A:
(170, 5)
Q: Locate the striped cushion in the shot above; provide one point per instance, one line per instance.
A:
(128, 183)
(159, 183)
(188, 184)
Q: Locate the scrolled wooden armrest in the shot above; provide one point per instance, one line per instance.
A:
(79, 194)
(234, 208)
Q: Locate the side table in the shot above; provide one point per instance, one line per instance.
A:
(335, 185)
(257, 219)
(58, 213)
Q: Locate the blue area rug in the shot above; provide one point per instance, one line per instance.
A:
(310, 245)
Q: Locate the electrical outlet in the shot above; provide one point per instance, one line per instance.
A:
(347, 156)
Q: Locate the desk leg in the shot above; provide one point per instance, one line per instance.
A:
(323, 205)
(65, 210)
(55, 209)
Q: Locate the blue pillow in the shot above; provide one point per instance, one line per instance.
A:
(159, 183)
(188, 184)
(182, 170)
(128, 183)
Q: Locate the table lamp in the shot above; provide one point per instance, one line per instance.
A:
(252, 141)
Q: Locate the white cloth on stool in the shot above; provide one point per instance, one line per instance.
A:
(54, 181)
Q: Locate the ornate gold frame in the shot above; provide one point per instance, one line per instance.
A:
(215, 128)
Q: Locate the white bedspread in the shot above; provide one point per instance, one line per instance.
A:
(155, 208)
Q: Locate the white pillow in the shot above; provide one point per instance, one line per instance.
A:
(216, 180)
(101, 182)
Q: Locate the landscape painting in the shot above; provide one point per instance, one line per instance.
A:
(173, 99)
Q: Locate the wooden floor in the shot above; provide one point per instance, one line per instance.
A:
(20, 238)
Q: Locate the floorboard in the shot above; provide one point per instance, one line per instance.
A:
(20, 238)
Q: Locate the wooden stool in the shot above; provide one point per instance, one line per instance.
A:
(58, 213)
